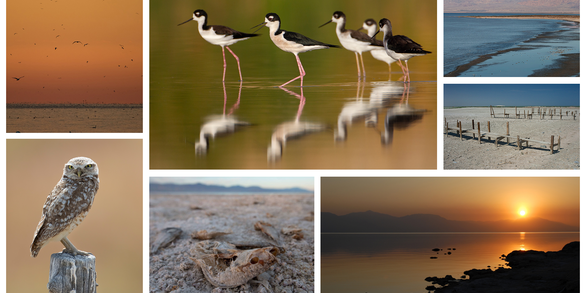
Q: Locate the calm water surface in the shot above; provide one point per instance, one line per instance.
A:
(400, 262)
(466, 39)
(334, 121)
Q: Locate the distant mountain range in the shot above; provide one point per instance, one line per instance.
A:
(512, 6)
(370, 221)
(202, 188)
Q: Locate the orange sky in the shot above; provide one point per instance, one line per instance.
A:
(470, 198)
(100, 72)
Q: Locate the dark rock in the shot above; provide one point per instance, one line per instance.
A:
(531, 271)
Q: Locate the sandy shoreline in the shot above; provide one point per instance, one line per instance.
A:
(574, 18)
(172, 270)
(568, 65)
(469, 154)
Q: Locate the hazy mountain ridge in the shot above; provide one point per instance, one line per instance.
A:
(512, 6)
(199, 188)
(370, 221)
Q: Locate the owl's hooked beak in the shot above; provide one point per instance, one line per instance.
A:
(78, 172)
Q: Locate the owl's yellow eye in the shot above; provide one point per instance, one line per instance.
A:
(89, 166)
(69, 167)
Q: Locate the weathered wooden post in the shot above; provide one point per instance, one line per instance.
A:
(551, 145)
(507, 132)
(518, 143)
(70, 273)
(488, 129)
(559, 143)
(460, 126)
(479, 132)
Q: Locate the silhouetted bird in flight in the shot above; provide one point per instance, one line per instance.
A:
(18, 78)
(122, 46)
(76, 42)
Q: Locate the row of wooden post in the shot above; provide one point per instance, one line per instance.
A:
(520, 140)
(541, 114)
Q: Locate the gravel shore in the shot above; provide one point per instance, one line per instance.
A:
(469, 154)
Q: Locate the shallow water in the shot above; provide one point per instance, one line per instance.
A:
(467, 39)
(395, 262)
(187, 92)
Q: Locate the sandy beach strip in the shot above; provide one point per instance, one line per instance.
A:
(470, 154)
(568, 65)
(574, 18)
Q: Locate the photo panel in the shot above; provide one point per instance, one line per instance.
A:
(235, 233)
(512, 126)
(450, 234)
(90, 188)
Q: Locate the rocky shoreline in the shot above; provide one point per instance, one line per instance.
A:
(530, 271)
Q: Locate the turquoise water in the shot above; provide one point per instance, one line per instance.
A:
(468, 38)
(395, 262)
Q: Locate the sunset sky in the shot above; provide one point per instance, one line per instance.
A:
(470, 198)
(40, 46)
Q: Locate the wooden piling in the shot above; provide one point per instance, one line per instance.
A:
(70, 273)
(518, 143)
(479, 136)
(507, 132)
(460, 126)
(488, 123)
(551, 145)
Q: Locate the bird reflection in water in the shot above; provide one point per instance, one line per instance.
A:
(381, 96)
(400, 116)
(291, 129)
(217, 125)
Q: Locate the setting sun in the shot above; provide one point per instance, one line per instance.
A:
(522, 213)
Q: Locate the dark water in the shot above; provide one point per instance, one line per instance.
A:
(333, 122)
(468, 38)
(400, 262)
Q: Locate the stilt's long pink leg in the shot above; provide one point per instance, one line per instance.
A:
(224, 57)
(362, 62)
(237, 61)
(357, 64)
(408, 76)
(402, 69)
(301, 72)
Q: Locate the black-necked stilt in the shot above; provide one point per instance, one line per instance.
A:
(219, 35)
(371, 27)
(291, 42)
(399, 47)
(352, 40)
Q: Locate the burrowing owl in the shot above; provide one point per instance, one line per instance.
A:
(67, 205)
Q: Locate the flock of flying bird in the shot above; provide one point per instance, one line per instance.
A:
(392, 48)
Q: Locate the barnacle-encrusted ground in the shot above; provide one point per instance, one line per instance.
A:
(172, 270)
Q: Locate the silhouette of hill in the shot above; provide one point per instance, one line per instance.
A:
(203, 188)
(370, 221)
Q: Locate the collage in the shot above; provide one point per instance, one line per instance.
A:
(451, 166)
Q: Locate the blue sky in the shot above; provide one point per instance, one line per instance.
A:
(266, 182)
(458, 95)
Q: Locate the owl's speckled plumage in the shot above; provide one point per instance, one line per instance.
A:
(68, 204)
